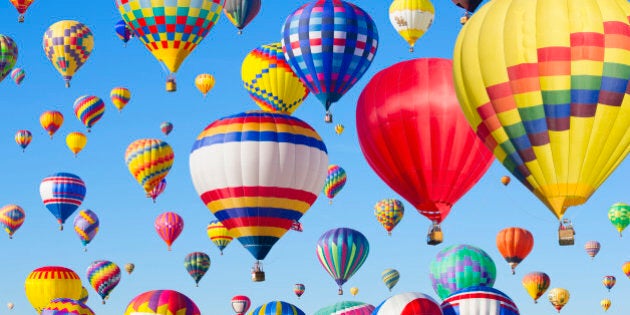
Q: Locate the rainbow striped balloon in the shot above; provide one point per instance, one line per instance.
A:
(342, 251)
(149, 161)
(347, 308)
(23, 138)
(219, 235)
(388, 213)
(65, 306)
(168, 226)
(86, 225)
(162, 302)
(89, 109)
(479, 300)
(299, 289)
(18, 75)
(103, 276)
(62, 194)
(335, 181)
(390, 277)
(277, 308)
(120, 96)
(11, 218)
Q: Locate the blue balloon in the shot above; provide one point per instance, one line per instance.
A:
(123, 31)
(277, 308)
(62, 194)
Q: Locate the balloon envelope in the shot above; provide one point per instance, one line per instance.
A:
(64, 306)
(342, 251)
(168, 226)
(68, 45)
(162, 302)
(241, 12)
(86, 225)
(62, 194)
(23, 138)
(277, 308)
(120, 96)
(536, 283)
(592, 248)
(479, 300)
(411, 18)
(103, 276)
(219, 234)
(11, 218)
(558, 297)
(388, 213)
(197, 264)
(47, 283)
(149, 161)
(410, 303)
(8, 55)
(514, 244)
(347, 308)
(240, 304)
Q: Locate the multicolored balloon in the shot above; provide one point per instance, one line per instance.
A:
(162, 302)
(65, 306)
(240, 304)
(11, 218)
(129, 267)
(299, 289)
(347, 308)
(536, 283)
(18, 75)
(605, 304)
(558, 297)
(388, 213)
(197, 264)
(619, 216)
(277, 307)
(514, 244)
(335, 180)
(103, 276)
(123, 31)
(477, 300)
(342, 251)
(329, 44)
(241, 12)
(62, 194)
(47, 283)
(408, 303)
(149, 161)
(204, 83)
(166, 127)
(592, 248)
(157, 190)
(86, 225)
(461, 266)
(390, 277)
(411, 19)
(23, 138)
(120, 96)
(8, 55)
(269, 80)
(51, 121)
(84, 295)
(168, 226)
(219, 235)
(21, 6)
(609, 282)
(76, 141)
(89, 109)
(68, 45)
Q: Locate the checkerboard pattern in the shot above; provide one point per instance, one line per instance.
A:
(68, 45)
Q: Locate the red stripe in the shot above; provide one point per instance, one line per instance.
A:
(554, 54)
(258, 191)
(587, 39)
(277, 119)
(479, 295)
(241, 222)
(616, 27)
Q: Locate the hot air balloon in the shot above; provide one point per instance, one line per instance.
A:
(240, 304)
(64, 306)
(166, 127)
(120, 96)
(289, 159)
(411, 19)
(219, 235)
(86, 225)
(626, 268)
(50, 282)
(609, 282)
(21, 6)
(168, 226)
(558, 297)
(619, 216)
(388, 213)
(514, 244)
(129, 267)
(84, 295)
(329, 54)
(276, 308)
(170, 30)
(335, 181)
(149, 161)
(204, 83)
(339, 129)
(89, 109)
(123, 31)
(157, 190)
(51, 121)
(10, 305)
(269, 80)
(408, 303)
(522, 96)
(23, 138)
(605, 303)
(342, 251)
(162, 302)
(62, 194)
(390, 277)
(536, 283)
(18, 75)
(8, 55)
(347, 308)
(11, 218)
(592, 248)
(354, 291)
(505, 180)
(197, 264)
(241, 12)
(76, 141)
(461, 266)
(431, 175)
(469, 6)
(478, 300)
(103, 276)
(299, 289)
(68, 45)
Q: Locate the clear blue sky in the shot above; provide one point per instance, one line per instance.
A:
(127, 233)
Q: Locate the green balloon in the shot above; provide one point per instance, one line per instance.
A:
(619, 216)
(358, 308)
(8, 55)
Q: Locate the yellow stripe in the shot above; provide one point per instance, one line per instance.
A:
(258, 231)
(265, 202)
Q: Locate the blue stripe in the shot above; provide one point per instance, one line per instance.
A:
(258, 246)
(258, 136)
(232, 213)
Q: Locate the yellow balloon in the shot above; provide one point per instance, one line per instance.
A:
(120, 97)
(354, 291)
(47, 283)
(558, 297)
(149, 161)
(68, 45)
(605, 303)
(339, 129)
(129, 267)
(76, 141)
(411, 18)
(204, 83)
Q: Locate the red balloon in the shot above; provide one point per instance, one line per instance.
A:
(169, 225)
(414, 135)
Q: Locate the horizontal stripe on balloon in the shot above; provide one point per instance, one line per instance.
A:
(268, 124)
(262, 202)
(65, 200)
(258, 231)
(268, 194)
(239, 217)
(271, 136)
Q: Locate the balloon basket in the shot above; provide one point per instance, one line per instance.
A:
(171, 86)
(435, 236)
(258, 276)
(340, 292)
(21, 18)
(566, 237)
(328, 118)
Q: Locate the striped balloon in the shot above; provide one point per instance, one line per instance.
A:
(274, 166)
(329, 44)
(162, 302)
(103, 276)
(342, 251)
(157, 190)
(460, 266)
(219, 235)
(299, 289)
(477, 300)
(18, 75)
(609, 282)
(536, 283)
(592, 248)
(8, 55)
(410, 303)
(197, 264)
(411, 19)
(89, 109)
(166, 127)
(51, 121)
(86, 225)
(64, 306)
(83, 298)
(277, 308)
(23, 138)
(347, 308)
(168, 226)
(50, 282)
(62, 194)
(11, 218)
(619, 216)
(335, 181)
(240, 304)
(388, 213)
(390, 277)
(149, 161)
(120, 96)
(68, 44)
(241, 12)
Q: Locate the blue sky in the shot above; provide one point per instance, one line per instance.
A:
(126, 215)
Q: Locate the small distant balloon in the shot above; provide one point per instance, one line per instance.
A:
(241, 12)
(240, 304)
(299, 289)
(619, 216)
(388, 213)
(51, 121)
(197, 264)
(339, 129)
(390, 277)
(120, 96)
(204, 83)
(166, 127)
(558, 297)
(18, 75)
(62, 193)
(592, 248)
(605, 304)
(219, 235)
(609, 282)
(123, 31)
(505, 180)
(10, 305)
(68, 44)
(89, 109)
(86, 226)
(157, 190)
(103, 276)
(168, 226)
(536, 283)
(129, 267)
(11, 218)
(23, 138)
(354, 291)
(76, 141)
(8, 55)
(335, 181)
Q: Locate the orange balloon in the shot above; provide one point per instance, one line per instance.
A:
(514, 244)
(505, 180)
